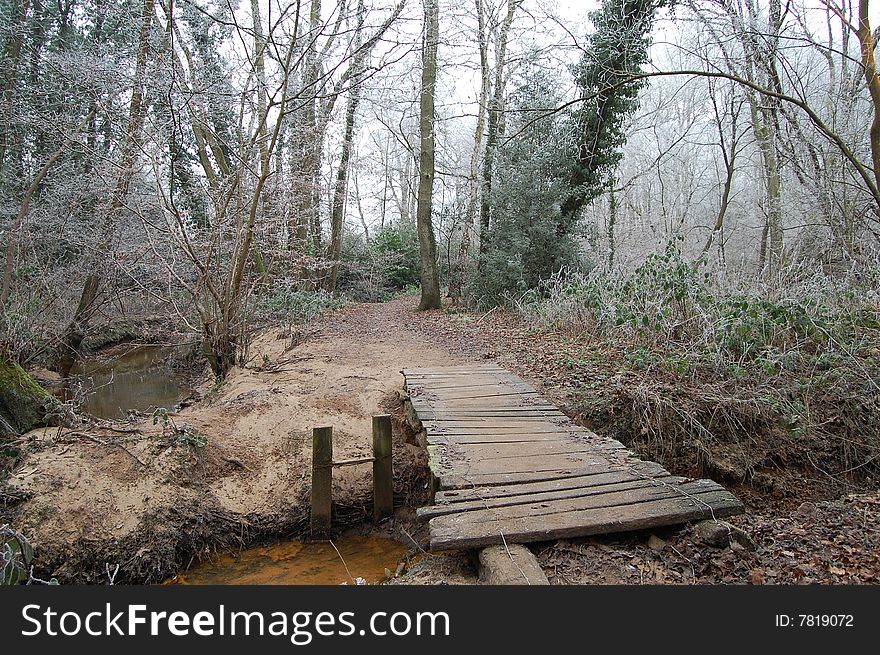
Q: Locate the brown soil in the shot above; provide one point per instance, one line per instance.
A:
(124, 494)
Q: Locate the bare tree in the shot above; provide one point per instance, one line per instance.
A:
(494, 127)
(458, 275)
(72, 338)
(428, 247)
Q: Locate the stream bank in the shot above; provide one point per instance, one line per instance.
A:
(233, 468)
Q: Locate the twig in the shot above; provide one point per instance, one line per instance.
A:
(515, 563)
(237, 462)
(342, 559)
(106, 443)
(111, 576)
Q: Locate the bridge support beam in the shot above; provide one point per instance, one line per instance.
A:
(510, 565)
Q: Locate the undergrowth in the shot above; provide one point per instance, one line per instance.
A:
(286, 304)
(716, 373)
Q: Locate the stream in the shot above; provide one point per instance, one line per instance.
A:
(300, 563)
(138, 379)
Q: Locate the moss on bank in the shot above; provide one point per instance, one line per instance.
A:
(24, 404)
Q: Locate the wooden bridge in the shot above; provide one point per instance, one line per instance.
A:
(509, 467)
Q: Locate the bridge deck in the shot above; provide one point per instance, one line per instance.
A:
(510, 467)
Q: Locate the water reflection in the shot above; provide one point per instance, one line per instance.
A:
(136, 380)
(295, 562)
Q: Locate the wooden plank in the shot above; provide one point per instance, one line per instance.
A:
(541, 509)
(476, 439)
(502, 393)
(457, 481)
(466, 467)
(498, 402)
(627, 483)
(494, 451)
(465, 416)
(459, 407)
(511, 439)
(468, 450)
(469, 384)
(471, 379)
(508, 421)
(483, 409)
(500, 421)
(638, 516)
(466, 378)
(500, 413)
(353, 461)
(637, 469)
(506, 427)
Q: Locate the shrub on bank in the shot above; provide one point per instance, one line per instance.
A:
(719, 375)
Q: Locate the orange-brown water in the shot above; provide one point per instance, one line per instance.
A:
(295, 562)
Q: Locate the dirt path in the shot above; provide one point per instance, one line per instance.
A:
(135, 501)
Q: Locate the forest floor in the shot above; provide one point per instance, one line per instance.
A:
(147, 499)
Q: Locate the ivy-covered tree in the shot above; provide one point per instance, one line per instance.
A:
(617, 49)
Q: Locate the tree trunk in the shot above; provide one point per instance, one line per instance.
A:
(306, 218)
(868, 43)
(612, 221)
(427, 244)
(496, 106)
(456, 283)
(337, 212)
(728, 155)
(765, 135)
(71, 338)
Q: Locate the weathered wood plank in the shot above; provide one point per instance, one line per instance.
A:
(626, 484)
(537, 450)
(497, 402)
(476, 426)
(567, 525)
(482, 409)
(540, 509)
(636, 470)
(514, 438)
(468, 468)
(322, 481)
(482, 394)
(497, 421)
(454, 480)
(383, 473)
(475, 384)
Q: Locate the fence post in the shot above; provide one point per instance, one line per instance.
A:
(383, 476)
(322, 480)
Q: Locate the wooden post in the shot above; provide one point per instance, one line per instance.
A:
(383, 476)
(322, 480)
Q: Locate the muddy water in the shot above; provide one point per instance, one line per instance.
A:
(137, 379)
(295, 562)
